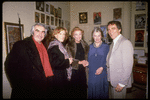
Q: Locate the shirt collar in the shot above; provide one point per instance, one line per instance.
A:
(116, 39)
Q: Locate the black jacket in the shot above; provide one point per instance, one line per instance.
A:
(25, 72)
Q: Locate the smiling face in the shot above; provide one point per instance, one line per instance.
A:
(39, 33)
(97, 37)
(61, 36)
(77, 36)
(113, 31)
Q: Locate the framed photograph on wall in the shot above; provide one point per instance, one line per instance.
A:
(59, 12)
(52, 10)
(52, 20)
(47, 8)
(139, 38)
(40, 6)
(13, 33)
(47, 20)
(37, 17)
(43, 18)
(117, 13)
(140, 20)
(97, 18)
(83, 17)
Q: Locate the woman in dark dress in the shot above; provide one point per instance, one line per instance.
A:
(60, 61)
(78, 48)
(97, 82)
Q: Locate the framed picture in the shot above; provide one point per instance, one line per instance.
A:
(140, 20)
(140, 5)
(43, 18)
(60, 23)
(14, 33)
(97, 18)
(52, 10)
(139, 38)
(47, 20)
(56, 12)
(37, 17)
(117, 14)
(52, 20)
(104, 30)
(56, 21)
(40, 6)
(47, 8)
(59, 12)
(83, 17)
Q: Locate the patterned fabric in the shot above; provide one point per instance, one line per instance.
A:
(64, 51)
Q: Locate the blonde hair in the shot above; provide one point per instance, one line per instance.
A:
(76, 29)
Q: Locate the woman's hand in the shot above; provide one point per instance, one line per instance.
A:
(84, 63)
(99, 71)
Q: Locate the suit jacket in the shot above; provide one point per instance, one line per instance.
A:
(120, 63)
(25, 72)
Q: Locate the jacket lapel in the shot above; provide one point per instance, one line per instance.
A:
(34, 55)
(117, 44)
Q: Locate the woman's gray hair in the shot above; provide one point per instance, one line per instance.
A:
(39, 24)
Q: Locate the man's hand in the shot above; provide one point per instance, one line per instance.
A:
(118, 88)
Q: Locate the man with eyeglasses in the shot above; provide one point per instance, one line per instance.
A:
(28, 68)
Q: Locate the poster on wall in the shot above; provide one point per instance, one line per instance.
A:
(140, 20)
(43, 18)
(97, 18)
(117, 14)
(40, 6)
(12, 33)
(83, 17)
(139, 38)
(37, 17)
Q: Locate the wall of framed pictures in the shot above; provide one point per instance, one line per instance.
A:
(51, 14)
(139, 25)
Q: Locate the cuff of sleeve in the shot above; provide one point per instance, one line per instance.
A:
(122, 85)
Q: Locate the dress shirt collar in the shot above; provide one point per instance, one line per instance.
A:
(116, 39)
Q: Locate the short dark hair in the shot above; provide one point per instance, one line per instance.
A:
(117, 23)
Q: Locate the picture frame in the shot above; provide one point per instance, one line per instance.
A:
(97, 18)
(139, 38)
(13, 34)
(140, 21)
(52, 10)
(47, 20)
(47, 8)
(40, 6)
(43, 18)
(52, 20)
(37, 17)
(59, 12)
(83, 17)
(117, 14)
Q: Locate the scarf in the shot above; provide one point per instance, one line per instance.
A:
(44, 58)
(64, 51)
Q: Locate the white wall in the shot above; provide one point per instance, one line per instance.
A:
(106, 9)
(26, 12)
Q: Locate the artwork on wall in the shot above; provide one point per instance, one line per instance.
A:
(83, 17)
(37, 17)
(47, 20)
(52, 20)
(139, 38)
(140, 5)
(13, 34)
(56, 12)
(52, 10)
(140, 20)
(40, 6)
(56, 21)
(43, 18)
(47, 8)
(97, 18)
(59, 12)
(117, 13)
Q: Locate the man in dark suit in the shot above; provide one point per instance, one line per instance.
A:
(28, 68)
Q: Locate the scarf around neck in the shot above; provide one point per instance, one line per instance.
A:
(55, 42)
